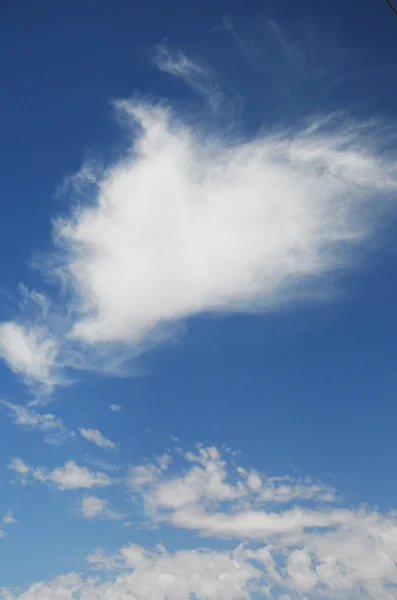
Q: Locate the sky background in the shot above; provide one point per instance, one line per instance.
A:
(198, 247)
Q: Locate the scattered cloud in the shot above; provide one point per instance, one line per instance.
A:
(69, 477)
(282, 536)
(183, 501)
(96, 437)
(116, 408)
(308, 544)
(55, 433)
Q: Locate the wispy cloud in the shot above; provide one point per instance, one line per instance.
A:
(30, 352)
(199, 77)
(96, 437)
(55, 432)
(92, 507)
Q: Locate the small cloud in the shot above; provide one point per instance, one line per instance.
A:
(20, 468)
(69, 477)
(96, 437)
(53, 428)
(93, 507)
(116, 408)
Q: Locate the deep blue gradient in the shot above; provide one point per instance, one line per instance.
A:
(311, 388)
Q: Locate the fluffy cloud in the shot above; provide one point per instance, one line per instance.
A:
(116, 408)
(282, 536)
(188, 223)
(155, 575)
(30, 352)
(291, 527)
(69, 477)
(96, 437)
(55, 432)
(184, 500)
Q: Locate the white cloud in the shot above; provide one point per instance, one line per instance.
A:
(183, 499)
(96, 437)
(308, 545)
(53, 428)
(157, 575)
(191, 220)
(93, 507)
(116, 408)
(295, 542)
(62, 588)
(30, 352)
(188, 223)
(69, 477)
(20, 468)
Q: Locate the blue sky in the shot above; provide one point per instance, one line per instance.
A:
(197, 308)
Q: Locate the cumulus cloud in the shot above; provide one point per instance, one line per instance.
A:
(55, 433)
(282, 536)
(116, 408)
(191, 222)
(296, 539)
(30, 352)
(155, 575)
(291, 527)
(96, 437)
(184, 500)
(69, 477)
